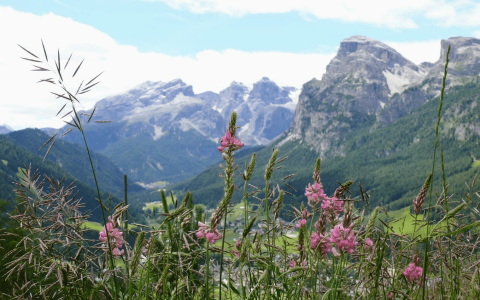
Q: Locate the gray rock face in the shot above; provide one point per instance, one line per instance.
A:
(357, 84)
(464, 66)
(264, 112)
(369, 83)
(270, 110)
(4, 129)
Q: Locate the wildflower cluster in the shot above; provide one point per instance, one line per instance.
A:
(343, 238)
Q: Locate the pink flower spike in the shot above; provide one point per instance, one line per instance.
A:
(238, 244)
(237, 254)
(103, 236)
(201, 225)
(413, 273)
(117, 252)
(324, 246)
(211, 237)
(230, 141)
(301, 222)
(368, 243)
(200, 234)
(344, 238)
(390, 296)
(305, 265)
(315, 193)
(292, 263)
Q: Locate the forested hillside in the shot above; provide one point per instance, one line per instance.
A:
(391, 162)
(73, 158)
(13, 157)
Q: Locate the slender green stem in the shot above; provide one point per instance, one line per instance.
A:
(245, 205)
(125, 234)
(101, 208)
(223, 247)
(439, 116)
(207, 265)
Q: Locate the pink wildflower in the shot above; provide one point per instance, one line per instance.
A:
(301, 222)
(292, 263)
(237, 253)
(214, 236)
(332, 205)
(413, 273)
(116, 238)
(390, 295)
(317, 239)
(344, 238)
(315, 193)
(238, 244)
(201, 233)
(368, 243)
(230, 141)
(211, 236)
(117, 252)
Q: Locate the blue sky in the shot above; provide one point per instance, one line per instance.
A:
(156, 26)
(206, 43)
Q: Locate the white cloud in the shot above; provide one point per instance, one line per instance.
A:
(463, 13)
(25, 103)
(419, 51)
(392, 14)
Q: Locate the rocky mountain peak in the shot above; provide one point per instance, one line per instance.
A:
(361, 45)
(147, 94)
(359, 81)
(461, 48)
(266, 91)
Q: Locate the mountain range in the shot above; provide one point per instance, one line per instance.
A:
(371, 118)
(163, 131)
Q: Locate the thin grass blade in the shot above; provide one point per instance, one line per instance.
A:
(47, 141)
(94, 78)
(49, 148)
(77, 68)
(44, 51)
(28, 51)
(91, 115)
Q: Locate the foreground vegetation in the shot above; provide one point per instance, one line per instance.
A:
(339, 250)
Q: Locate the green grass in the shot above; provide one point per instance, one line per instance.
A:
(92, 225)
(237, 212)
(403, 222)
(158, 204)
(476, 164)
(5, 163)
(98, 227)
